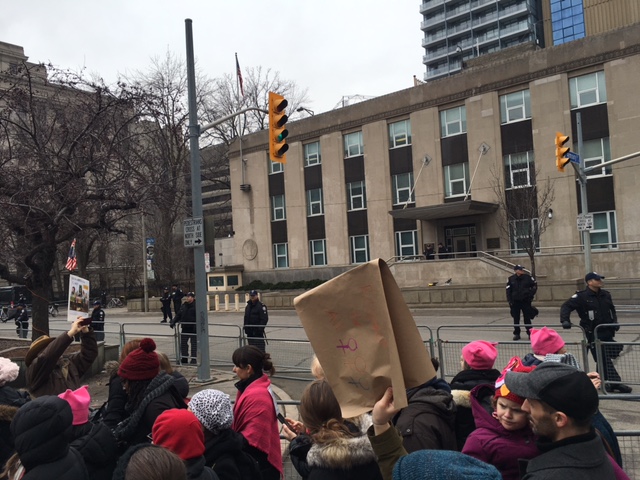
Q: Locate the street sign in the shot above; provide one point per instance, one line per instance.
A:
(585, 221)
(573, 157)
(193, 232)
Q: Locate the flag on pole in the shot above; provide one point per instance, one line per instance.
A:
(72, 261)
(239, 74)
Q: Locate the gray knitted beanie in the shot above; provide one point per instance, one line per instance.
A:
(213, 409)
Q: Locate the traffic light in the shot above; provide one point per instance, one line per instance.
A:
(561, 151)
(277, 133)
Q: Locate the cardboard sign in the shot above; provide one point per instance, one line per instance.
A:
(365, 337)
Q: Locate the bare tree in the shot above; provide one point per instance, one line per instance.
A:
(66, 151)
(524, 210)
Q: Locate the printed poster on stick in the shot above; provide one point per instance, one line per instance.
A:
(78, 305)
(365, 337)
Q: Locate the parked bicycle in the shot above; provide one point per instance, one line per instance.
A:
(53, 310)
(115, 302)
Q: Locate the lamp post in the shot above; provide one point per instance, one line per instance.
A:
(305, 109)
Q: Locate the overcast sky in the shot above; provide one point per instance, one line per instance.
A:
(334, 48)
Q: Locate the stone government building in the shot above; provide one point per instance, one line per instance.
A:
(345, 195)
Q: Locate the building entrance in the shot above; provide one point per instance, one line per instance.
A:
(461, 240)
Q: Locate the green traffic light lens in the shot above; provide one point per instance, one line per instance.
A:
(283, 135)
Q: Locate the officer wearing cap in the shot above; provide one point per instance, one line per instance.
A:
(21, 317)
(521, 288)
(187, 317)
(255, 318)
(595, 307)
(165, 300)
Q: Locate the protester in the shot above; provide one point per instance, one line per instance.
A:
(181, 383)
(180, 432)
(41, 430)
(424, 464)
(10, 400)
(51, 373)
(223, 446)
(150, 462)
(254, 413)
(561, 402)
(114, 410)
(324, 445)
(503, 435)
(149, 393)
(94, 441)
(476, 363)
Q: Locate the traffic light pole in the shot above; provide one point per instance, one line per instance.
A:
(582, 179)
(202, 320)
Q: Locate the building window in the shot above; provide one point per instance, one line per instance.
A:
(233, 280)
(280, 255)
(604, 234)
(399, 134)
(314, 202)
(587, 90)
(311, 154)
(523, 232)
(407, 244)
(567, 20)
(456, 179)
(278, 209)
(356, 196)
(360, 249)
(275, 167)
(595, 152)
(403, 188)
(216, 281)
(515, 107)
(353, 145)
(519, 170)
(453, 121)
(318, 252)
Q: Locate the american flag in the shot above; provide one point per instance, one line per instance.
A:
(72, 261)
(239, 73)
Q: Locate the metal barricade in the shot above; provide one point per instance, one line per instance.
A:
(449, 350)
(165, 342)
(618, 360)
(629, 442)
(427, 338)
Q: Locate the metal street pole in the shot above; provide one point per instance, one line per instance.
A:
(582, 179)
(145, 271)
(202, 321)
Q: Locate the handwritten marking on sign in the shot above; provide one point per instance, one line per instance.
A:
(351, 345)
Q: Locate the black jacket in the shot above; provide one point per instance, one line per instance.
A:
(20, 316)
(165, 299)
(224, 453)
(255, 314)
(99, 448)
(197, 470)
(177, 296)
(41, 430)
(521, 288)
(187, 316)
(594, 308)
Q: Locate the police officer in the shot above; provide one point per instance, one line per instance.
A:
(255, 318)
(165, 300)
(595, 307)
(187, 317)
(521, 288)
(176, 296)
(97, 320)
(21, 317)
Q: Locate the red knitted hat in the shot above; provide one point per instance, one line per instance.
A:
(180, 431)
(142, 363)
(514, 365)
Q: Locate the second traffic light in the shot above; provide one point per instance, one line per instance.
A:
(277, 133)
(561, 151)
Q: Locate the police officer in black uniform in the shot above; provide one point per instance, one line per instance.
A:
(255, 315)
(521, 288)
(165, 300)
(97, 320)
(21, 317)
(187, 317)
(595, 307)
(176, 296)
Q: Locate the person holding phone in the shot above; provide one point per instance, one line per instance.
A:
(50, 371)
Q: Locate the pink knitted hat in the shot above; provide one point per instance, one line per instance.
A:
(545, 341)
(79, 400)
(480, 355)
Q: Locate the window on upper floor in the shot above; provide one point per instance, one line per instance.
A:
(453, 121)
(594, 152)
(359, 248)
(456, 179)
(353, 144)
(604, 234)
(515, 106)
(275, 167)
(314, 202)
(356, 196)
(399, 134)
(587, 90)
(278, 208)
(519, 170)
(311, 154)
(317, 252)
(522, 233)
(402, 185)
(280, 255)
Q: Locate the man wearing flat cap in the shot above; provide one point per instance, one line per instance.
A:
(561, 401)
(595, 307)
(521, 288)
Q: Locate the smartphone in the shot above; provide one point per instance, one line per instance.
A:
(85, 321)
(284, 422)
